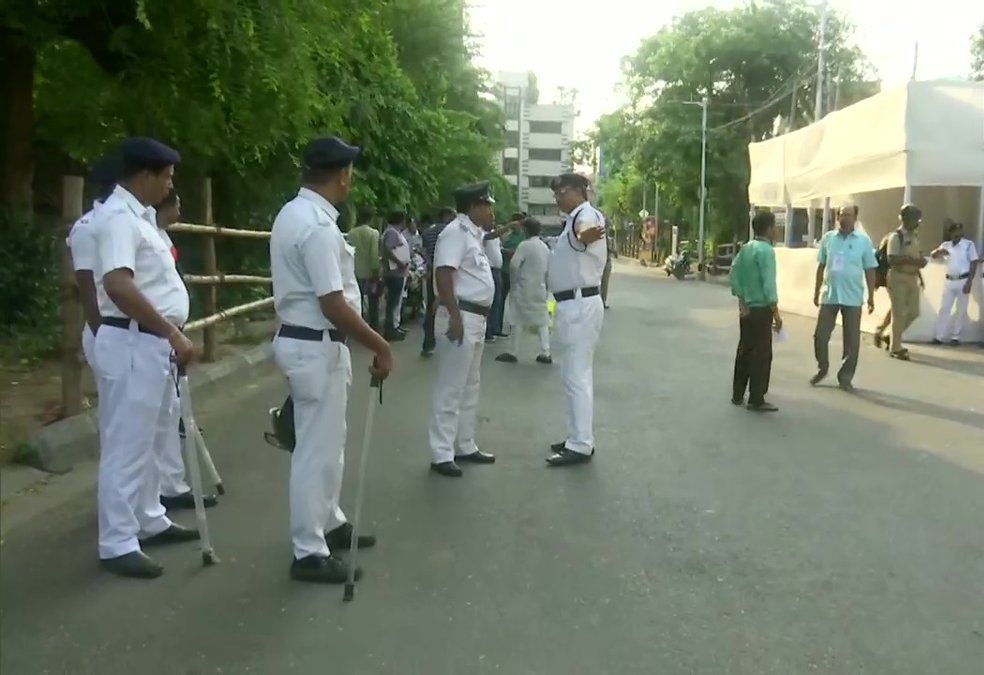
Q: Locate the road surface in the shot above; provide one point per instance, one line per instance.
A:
(844, 534)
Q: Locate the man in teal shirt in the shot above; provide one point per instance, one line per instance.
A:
(753, 282)
(847, 261)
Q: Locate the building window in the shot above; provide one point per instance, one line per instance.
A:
(510, 166)
(542, 209)
(546, 127)
(540, 181)
(511, 106)
(545, 154)
(512, 139)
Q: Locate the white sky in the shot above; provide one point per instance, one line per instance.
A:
(592, 36)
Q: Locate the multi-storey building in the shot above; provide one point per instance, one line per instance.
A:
(538, 144)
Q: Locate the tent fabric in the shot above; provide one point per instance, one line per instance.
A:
(920, 134)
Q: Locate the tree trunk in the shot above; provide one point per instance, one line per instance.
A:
(17, 60)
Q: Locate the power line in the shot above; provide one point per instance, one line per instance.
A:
(790, 86)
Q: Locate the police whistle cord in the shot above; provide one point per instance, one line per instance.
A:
(374, 383)
(193, 448)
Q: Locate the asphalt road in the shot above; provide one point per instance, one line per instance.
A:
(844, 534)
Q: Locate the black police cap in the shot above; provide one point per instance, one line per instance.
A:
(329, 153)
(910, 210)
(148, 152)
(466, 195)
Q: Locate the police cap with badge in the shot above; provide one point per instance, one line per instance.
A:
(476, 193)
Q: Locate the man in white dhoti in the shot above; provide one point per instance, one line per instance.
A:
(528, 294)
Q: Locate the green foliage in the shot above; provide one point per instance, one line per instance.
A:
(752, 62)
(238, 87)
(28, 286)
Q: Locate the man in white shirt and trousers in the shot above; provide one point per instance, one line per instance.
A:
(319, 307)
(577, 262)
(961, 259)
(528, 310)
(465, 291)
(138, 345)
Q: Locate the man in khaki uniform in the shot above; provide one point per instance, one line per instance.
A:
(905, 260)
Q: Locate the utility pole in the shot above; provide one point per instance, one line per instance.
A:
(811, 222)
(703, 186)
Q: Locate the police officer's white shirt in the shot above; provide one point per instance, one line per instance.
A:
(962, 254)
(460, 245)
(493, 251)
(127, 237)
(575, 265)
(82, 242)
(310, 258)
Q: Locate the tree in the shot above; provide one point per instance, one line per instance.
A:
(977, 54)
(751, 63)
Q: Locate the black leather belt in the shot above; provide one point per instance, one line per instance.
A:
(965, 275)
(587, 292)
(117, 322)
(310, 334)
(473, 308)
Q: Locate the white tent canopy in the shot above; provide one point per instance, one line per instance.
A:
(920, 134)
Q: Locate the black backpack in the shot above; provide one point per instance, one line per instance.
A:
(881, 257)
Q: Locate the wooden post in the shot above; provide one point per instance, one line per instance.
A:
(71, 309)
(210, 267)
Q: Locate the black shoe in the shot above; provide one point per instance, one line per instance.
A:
(543, 358)
(137, 565)
(764, 406)
(569, 457)
(402, 331)
(172, 535)
(936, 341)
(506, 358)
(426, 353)
(901, 355)
(816, 379)
(954, 343)
(556, 448)
(449, 469)
(340, 539)
(737, 400)
(321, 569)
(490, 339)
(395, 336)
(477, 457)
(845, 385)
(186, 500)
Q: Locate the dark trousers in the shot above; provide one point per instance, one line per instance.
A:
(394, 289)
(494, 324)
(753, 362)
(851, 328)
(370, 302)
(429, 311)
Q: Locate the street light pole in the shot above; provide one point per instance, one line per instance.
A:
(703, 187)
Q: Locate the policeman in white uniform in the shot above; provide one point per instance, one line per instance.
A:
(137, 347)
(961, 259)
(319, 306)
(577, 262)
(81, 242)
(465, 290)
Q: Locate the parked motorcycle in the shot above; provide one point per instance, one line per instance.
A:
(678, 265)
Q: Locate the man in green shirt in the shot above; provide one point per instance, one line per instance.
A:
(365, 238)
(753, 282)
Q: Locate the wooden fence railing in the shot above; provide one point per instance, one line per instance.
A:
(71, 311)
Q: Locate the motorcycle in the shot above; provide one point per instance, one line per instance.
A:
(679, 265)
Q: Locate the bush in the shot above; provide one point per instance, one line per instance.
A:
(28, 285)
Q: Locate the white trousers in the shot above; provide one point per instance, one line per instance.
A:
(139, 392)
(319, 375)
(952, 294)
(516, 331)
(577, 327)
(456, 387)
(89, 352)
